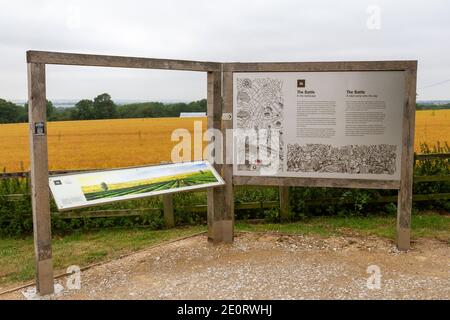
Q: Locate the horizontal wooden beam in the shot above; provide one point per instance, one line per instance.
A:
(431, 178)
(142, 211)
(315, 182)
(240, 206)
(26, 174)
(382, 199)
(62, 58)
(320, 66)
(430, 196)
(107, 213)
(14, 175)
(431, 156)
(93, 60)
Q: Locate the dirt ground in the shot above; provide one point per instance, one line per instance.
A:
(270, 266)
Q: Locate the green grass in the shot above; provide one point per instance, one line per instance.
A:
(80, 248)
(83, 248)
(423, 225)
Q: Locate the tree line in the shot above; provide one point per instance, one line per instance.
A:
(101, 107)
(432, 106)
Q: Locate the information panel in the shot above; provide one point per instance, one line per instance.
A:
(318, 124)
(85, 189)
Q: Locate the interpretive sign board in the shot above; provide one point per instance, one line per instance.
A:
(319, 124)
(85, 189)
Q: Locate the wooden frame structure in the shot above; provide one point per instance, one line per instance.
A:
(219, 101)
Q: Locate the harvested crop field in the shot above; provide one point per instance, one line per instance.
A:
(432, 127)
(96, 144)
(270, 266)
(133, 142)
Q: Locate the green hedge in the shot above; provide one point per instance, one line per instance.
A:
(16, 218)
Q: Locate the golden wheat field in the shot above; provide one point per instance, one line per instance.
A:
(95, 143)
(432, 127)
(134, 142)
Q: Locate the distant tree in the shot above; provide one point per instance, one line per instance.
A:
(104, 107)
(432, 106)
(63, 113)
(104, 186)
(50, 110)
(9, 112)
(84, 110)
(23, 114)
(158, 109)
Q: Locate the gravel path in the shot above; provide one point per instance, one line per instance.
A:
(270, 266)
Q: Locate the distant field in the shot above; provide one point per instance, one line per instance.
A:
(95, 143)
(432, 126)
(133, 142)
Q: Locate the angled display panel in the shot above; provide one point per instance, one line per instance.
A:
(92, 188)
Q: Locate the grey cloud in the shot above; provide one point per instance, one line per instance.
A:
(217, 31)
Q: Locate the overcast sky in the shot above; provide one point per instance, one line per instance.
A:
(215, 31)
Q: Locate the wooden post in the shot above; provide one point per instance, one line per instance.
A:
(215, 195)
(39, 178)
(227, 123)
(404, 205)
(169, 220)
(284, 203)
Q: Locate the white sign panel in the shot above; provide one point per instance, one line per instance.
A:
(318, 124)
(85, 189)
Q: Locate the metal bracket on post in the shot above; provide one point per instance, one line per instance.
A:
(227, 116)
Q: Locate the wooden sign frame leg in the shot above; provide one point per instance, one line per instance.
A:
(404, 204)
(215, 195)
(227, 172)
(220, 225)
(169, 219)
(40, 198)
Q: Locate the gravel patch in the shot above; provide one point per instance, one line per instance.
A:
(270, 266)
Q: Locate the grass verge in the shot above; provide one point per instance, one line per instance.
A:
(80, 248)
(83, 248)
(423, 225)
